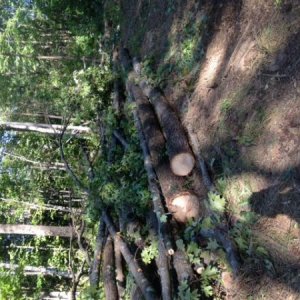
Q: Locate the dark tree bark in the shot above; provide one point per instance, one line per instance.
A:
(181, 202)
(162, 261)
(95, 265)
(110, 285)
(182, 267)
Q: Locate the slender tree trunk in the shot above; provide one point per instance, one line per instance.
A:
(37, 230)
(37, 164)
(110, 285)
(44, 128)
(31, 271)
(51, 57)
(120, 276)
(181, 202)
(13, 246)
(95, 265)
(42, 206)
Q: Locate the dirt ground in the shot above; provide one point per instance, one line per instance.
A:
(231, 69)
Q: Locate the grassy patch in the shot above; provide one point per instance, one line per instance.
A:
(272, 37)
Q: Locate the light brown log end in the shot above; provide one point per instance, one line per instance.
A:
(185, 207)
(182, 164)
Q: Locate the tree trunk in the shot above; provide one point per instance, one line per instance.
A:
(110, 286)
(39, 165)
(180, 154)
(162, 260)
(31, 271)
(120, 276)
(44, 128)
(181, 202)
(49, 207)
(37, 230)
(182, 267)
(95, 266)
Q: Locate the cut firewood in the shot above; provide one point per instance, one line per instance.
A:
(162, 260)
(181, 202)
(140, 279)
(120, 277)
(110, 286)
(95, 265)
(181, 157)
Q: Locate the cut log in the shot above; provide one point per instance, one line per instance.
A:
(181, 202)
(162, 260)
(181, 157)
(95, 265)
(120, 276)
(110, 286)
(159, 209)
(142, 282)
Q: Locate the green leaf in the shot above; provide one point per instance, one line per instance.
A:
(180, 245)
(212, 245)
(217, 202)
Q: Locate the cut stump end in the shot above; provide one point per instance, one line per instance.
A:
(185, 207)
(182, 164)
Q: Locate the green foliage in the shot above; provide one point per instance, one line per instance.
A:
(209, 274)
(185, 292)
(216, 202)
(278, 3)
(150, 252)
(91, 293)
(11, 285)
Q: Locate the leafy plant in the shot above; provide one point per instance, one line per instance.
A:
(185, 292)
(150, 252)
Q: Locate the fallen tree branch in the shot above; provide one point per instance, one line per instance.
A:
(68, 168)
(95, 265)
(162, 260)
(152, 182)
(120, 276)
(110, 286)
(142, 282)
(121, 139)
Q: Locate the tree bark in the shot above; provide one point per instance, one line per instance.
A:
(31, 271)
(182, 267)
(39, 165)
(37, 230)
(120, 276)
(110, 286)
(95, 265)
(162, 260)
(181, 202)
(153, 186)
(180, 154)
(49, 207)
(143, 283)
(45, 128)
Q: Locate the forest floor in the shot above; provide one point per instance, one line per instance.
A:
(231, 70)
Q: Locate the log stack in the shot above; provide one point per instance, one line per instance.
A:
(181, 202)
